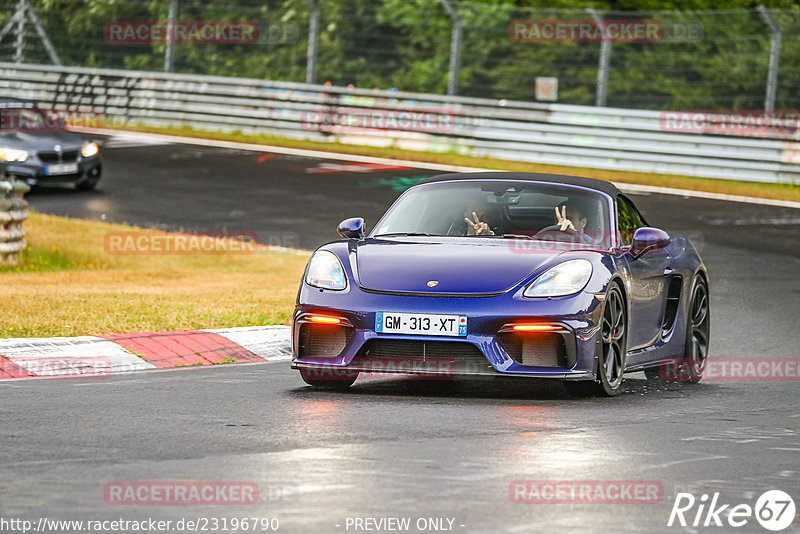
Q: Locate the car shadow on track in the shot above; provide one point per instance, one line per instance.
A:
(502, 388)
(62, 192)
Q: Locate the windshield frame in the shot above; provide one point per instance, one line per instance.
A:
(610, 211)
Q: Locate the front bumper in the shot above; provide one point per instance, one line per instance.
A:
(33, 172)
(489, 348)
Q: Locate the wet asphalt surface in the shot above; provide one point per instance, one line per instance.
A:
(390, 448)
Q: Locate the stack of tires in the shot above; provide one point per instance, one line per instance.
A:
(13, 211)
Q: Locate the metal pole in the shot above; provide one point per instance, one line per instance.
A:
(51, 50)
(169, 52)
(10, 24)
(774, 57)
(19, 45)
(455, 47)
(605, 59)
(313, 38)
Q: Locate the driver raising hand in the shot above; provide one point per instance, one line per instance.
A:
(475, 226)
(570, 218)
(481, 218)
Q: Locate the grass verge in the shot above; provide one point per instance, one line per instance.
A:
(67, 284)
(713, 185)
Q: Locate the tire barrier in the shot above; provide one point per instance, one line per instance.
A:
(13, 211)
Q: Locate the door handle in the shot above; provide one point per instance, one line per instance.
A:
(668, 271)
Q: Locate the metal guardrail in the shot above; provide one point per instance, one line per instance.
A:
(581, 136)
(13, 211)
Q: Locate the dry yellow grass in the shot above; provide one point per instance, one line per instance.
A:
(67, 284)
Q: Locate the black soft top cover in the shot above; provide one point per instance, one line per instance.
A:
(589, 183)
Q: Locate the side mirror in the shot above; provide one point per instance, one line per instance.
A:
(647, 238)
(352, 228)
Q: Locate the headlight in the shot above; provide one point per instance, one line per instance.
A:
(562, 279)
(89, 149)
(326, 271)
(12, 154)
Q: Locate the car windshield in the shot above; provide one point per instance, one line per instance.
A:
(500, 209)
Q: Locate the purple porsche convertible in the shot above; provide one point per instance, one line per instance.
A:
(504, 274)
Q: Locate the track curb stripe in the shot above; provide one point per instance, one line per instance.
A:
(99, 356)
(9, 369)
(179, 349)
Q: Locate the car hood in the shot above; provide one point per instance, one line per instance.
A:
(465, 266)
(41, 140)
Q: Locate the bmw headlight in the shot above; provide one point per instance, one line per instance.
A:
(560, 280)
(89, 149)
(13, 154)
(326, 271)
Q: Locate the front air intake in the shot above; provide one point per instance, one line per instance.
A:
(453, 357)
(535, 350)
(322, 340)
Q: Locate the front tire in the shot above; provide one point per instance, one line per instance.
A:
(614, 347)
(328, 379)
(86, 185)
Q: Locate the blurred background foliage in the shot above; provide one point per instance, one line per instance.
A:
(405, 44)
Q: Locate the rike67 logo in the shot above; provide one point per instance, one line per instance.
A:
(774, 510)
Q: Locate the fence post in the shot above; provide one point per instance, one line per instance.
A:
(25, 11)
(19, 44)
(313, 40)
(774, 57)
(605, 59)
(169, 51)
(455, 47)
(13, 210)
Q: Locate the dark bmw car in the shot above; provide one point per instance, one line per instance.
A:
(36, 147)
(515, 274)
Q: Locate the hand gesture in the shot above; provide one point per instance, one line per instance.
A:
(564, 223)
(476, 226)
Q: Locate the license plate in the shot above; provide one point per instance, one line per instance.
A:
(421, 323)
(61, 168)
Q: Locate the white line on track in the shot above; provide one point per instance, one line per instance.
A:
(634, 188)
(686, 461)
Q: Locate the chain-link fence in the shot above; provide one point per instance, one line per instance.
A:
(706, 60)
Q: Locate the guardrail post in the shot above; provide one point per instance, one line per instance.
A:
(13, 210)
(774, 57)
(313, 40)
(605, 59)
(169, 51)
(455, 47)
